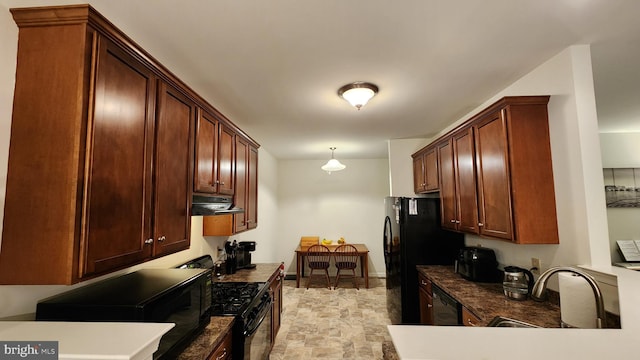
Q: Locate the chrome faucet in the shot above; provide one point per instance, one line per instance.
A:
(539, 289)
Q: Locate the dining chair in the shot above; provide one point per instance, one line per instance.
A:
(346, 258)
(318, 258)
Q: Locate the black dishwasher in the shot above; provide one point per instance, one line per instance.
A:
(446, 310)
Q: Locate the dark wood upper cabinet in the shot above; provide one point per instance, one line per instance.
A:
(496, 176)
(447, 176)
(425, 171)
(251, 210)
(494, 187)
(206, 164)
(102, 151)
(465, 175)
(215, 156)
(226, 160)
(458, 182)
(119, 146)
(173, 171)
(240, 198)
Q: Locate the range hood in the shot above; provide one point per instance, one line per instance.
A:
(213, 205)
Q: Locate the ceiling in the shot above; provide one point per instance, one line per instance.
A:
(274, 67)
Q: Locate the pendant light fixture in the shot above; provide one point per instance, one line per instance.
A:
(358, 93)
(333, 164)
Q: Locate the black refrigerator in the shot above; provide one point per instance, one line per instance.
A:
(413, 236)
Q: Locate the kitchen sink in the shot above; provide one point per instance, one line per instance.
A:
(500, 321)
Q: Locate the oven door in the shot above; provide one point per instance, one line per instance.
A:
(257, 331)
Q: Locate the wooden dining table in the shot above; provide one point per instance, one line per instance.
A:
(363, 252)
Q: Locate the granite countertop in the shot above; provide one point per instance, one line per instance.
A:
(487, 300)
(261, 273)
(212, 336)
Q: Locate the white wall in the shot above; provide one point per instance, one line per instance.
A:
(347, 203)
(620, 150)
(401, 165)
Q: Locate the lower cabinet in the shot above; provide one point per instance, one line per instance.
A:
(426, 300)
(222, 351)
(468, 319)
(275, 287)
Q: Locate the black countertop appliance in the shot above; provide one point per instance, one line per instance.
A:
(478, 264)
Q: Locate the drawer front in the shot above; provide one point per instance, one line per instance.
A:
(424, 283)
(223, 351)
(468, 319)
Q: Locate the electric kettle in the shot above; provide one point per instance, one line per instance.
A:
(517, 283)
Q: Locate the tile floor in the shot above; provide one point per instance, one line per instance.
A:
(344, 323)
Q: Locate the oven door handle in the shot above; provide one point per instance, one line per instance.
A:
(263, 314)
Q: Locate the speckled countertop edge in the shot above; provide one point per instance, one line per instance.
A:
(487, 300)
(212, 336)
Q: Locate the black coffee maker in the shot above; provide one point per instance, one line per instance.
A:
(244, 254)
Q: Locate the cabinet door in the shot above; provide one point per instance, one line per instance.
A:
(418, 174)
(494, 192)
(426, 307)
(251, 211)
(119, 153)
(226, 159)
(465, 174)
(240, 197)
(173, 171)
(447, 185)
(276, 290)
(426, 300)
(206, 152)
(431, 170)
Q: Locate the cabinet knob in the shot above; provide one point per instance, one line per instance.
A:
(453, 221)
(148, 241)
(457, 221)
(222, 183)
(429, 306)
(162, 238)
(480, 224)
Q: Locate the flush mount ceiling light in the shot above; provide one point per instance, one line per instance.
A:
(358, 93)
(333, 164)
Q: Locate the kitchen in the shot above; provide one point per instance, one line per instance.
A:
(276, 175)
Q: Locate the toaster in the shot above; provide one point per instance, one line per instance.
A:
(478, 264)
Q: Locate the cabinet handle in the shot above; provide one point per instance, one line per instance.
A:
(148, 241)
(223, 355)
(457, 221)
(480, 224)
(453, 221)
(422, 282)
(470, 323)
(429, 306)
(162, 238)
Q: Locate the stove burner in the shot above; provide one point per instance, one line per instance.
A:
(231, 298)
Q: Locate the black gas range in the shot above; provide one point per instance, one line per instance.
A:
(250, 304)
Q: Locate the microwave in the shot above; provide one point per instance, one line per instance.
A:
(179, 296)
